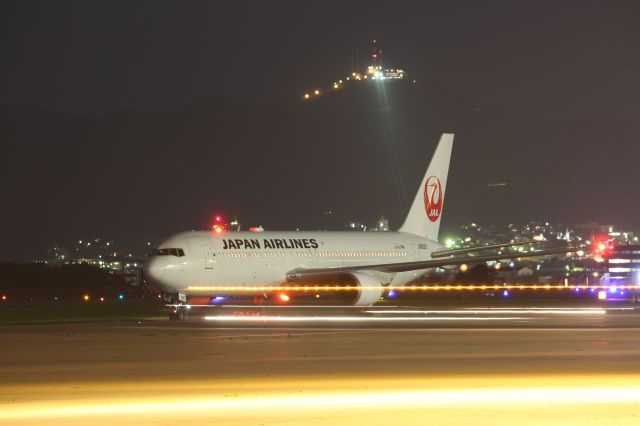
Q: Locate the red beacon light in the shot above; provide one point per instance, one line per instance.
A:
(601, 247)
(218, 225)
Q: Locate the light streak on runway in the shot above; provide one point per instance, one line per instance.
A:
(416, 287)
(494, 311)
(345, 318)
(526, 396)
(547, 370)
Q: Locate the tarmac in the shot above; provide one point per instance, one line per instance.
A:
(322, 366)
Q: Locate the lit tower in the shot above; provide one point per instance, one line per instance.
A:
(376, 54)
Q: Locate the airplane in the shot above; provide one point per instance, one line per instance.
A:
(219, 264)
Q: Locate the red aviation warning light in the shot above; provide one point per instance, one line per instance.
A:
(376, 52)
(218, 224)
(601, 247)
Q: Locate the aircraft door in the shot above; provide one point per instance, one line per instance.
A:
(207, 252)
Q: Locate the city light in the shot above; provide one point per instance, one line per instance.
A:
(86, 297)
(4, 298)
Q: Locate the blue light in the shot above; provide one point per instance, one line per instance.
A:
(505, 293)
(612, 289)
(120, 296)
(592, 290)
(392, 294)
(217, 299)
(577, 290)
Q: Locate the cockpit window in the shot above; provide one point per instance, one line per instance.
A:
(178, 252)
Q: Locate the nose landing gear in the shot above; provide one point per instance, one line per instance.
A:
(179, 307)
(178, 313)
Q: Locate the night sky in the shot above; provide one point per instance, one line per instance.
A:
(137, 119)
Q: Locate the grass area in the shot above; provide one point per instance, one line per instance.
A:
(48, 312)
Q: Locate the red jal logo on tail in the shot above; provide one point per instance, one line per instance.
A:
(433, 198)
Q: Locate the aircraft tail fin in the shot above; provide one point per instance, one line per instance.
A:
(424, 216)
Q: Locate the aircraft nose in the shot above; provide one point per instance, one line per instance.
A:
(154, 269)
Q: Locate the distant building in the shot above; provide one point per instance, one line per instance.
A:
(378, 73)
(394, 74)
(356, 226)
(57, 255)
(374, 72)
(623, 263)
(524, 272)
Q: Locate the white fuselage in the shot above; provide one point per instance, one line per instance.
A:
(206, 262)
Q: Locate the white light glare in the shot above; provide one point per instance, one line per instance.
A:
(258, 318)
(498, 311)
(389, 398)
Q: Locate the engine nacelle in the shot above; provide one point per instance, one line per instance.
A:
(370, 289)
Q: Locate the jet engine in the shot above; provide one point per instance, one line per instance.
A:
(369, 290)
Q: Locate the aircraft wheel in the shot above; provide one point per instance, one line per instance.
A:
(178, 314)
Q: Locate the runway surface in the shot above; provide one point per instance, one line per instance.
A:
(323, 366)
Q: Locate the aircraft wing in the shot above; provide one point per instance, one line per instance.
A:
(476, 249)
(300, 274)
